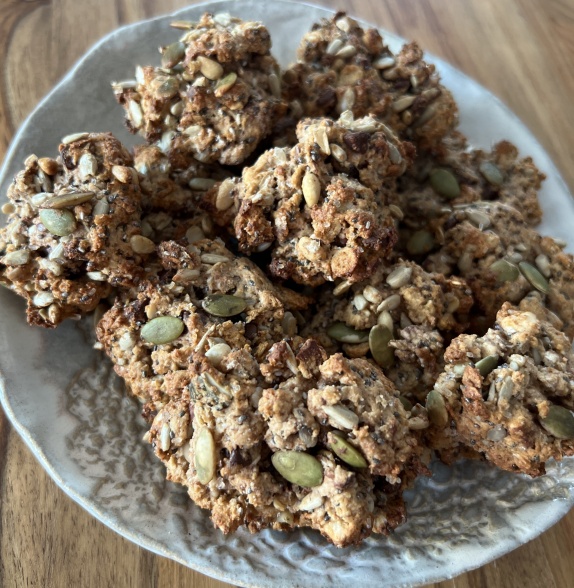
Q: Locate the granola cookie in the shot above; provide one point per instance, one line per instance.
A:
(215, 97)
(508, 395)
(73, 228)
(305, 206)
(344, 67)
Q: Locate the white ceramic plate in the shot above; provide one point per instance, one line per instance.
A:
(63, 399)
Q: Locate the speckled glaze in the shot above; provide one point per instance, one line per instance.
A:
(65, 401)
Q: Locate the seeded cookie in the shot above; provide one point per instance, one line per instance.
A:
(344, 67)
(215, 97)
(73, 228)
(508, 395)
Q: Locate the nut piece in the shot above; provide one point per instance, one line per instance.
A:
(298, 468)
(205, 457)
(161, 330)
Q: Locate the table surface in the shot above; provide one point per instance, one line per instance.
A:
(522, 50)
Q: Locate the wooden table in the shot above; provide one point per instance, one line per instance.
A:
(522, 50)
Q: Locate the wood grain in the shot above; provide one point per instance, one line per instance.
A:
(522, 50)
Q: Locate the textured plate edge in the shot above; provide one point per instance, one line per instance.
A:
(101, 515)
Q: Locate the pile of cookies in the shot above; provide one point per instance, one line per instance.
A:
(308, 278)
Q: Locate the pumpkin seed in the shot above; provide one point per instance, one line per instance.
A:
(407, 404)
(420, 243)
(436, 409)
(347, 452)
(161, 330)
(225, 84)
(534, 277)
(491, 173)
(67, 200)
(167, 88)
(172, 54)
(504, 271)
(205, 457)
(298, 468)
(444, 183)
(224, 305)
(486, 364)
(344, 334)
(59, 222)
(379, 338)
(559, 422)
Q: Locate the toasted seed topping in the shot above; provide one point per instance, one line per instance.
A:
(322, 140)
(96, 276)
(298, 468)
(403, 103)
(142, 245)
(504, 271)
(346, 51)
(164, 437)
(444, 183)
(343, 449)
(341, 332)
(341, 416)
(372, 295)
(486, 364)
(400, 276)
(101, 207)
(67, 200)
(162, 329)
(20, 257)
(135, 112)
(194, 234)
(184, 25)
(311, 188)
(543, 264)
(559, 422)
(379, 338)
(334, 46)
(205, 459)
(172, 54)
(491, 173)
(224, 198)
(534, 277)
(201, 184)
(48, 165)
(73, 138)
(58, 222)
(310, 502)
(420, 243)
(347, 100)
(167, 87)
(478, 218)
(213, 258)
(384, 62)
(436, 409)
(210, 68)
(218, 353)
(87, 166)
(407, 404)
(224, 305)
(8, 208)
(225, 84)
(275, 85)
(390, 303)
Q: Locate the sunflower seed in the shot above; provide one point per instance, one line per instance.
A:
(506, 389)
(183, 25)
(346, 101)
(310, 502)
(224, 305)
(135, 112)
(436, 409)
(399, 277)
(322, 140)
(218, 353)
(59, 222)
(224, 198)
(403, 103)
(486, 364)
(161, 330)
(444, 183)
(96, 276)
(491, 173)
(225, 84)
(275, 85)
(20, 257)
(543, 264)
(8, 208)
(166, 87)
(496, 434)
(342, 287)
(535, 278)
(360, 302)
(194, 234)
(338, 153)
(372, 295)
(101, 207)
(205, 460)
(142, 245)
(390, 303)
(343, 24)
(346, 51)
(425, 117)
(73, 138)
(345, 451)
(384, 62)
(172, 54)
(344, 334)
(420, 243)
(177, 108)
(396, 211)
(386, 320)
(201, 184)
(213, 258)
(164, 437)
(559, 422)
(298, 468)
(87, 166)
(478, 218)
(289, 324)
(311, 187)
(67, 200)
(334, 46)
(504, 271)
(210, 68)
(123, 174)
(379, 338)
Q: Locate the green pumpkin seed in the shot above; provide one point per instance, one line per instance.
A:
(534, 277)
(420, 243)
(504, 271)
(173, 54)
(58, 222)
(67, 200)
(379, 338)
(407, 404)
(486, 365)
(444, 183)
(168, 88)
(298, 468)
(491, 173)
(224, 305)
(225, 84)
(344, 334)
(436, 409)
(347, 452)
(162, 329)
(559, 422)
(205, 457)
